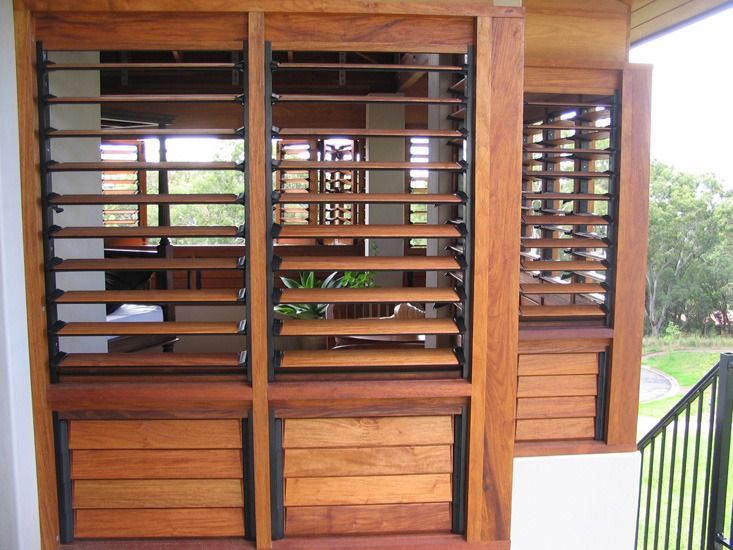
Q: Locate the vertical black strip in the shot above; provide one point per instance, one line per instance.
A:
(276, 478)
(63, 479)
(613, 191)
(249, 480)
(246, 191)
(460, 432)
(468, 214)
(44, 124)
(722, 451)
(601, 398)
(268, 207)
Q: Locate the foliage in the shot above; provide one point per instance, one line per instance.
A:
(192, 181)
(357, 279)
(306, 311)
(690, 244)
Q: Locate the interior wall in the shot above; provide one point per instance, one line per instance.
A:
(385, 150)
(575, 502)
(19, 526)
(78, 83)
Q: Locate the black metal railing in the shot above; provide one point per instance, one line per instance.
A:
(685, 499)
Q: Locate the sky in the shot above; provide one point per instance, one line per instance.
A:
(692, 86)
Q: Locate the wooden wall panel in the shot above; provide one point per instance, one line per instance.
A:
(561, 80)
(103, 30)
(366, 432)
(570, 30)
(155, 434)
(398, 489)
(556, 396)
(156, 478)
(368, 461)
(346, 476)
(211, 522)
(362, 520)
(556, 428)
(369, 33)
(158, 493)
(151, 464)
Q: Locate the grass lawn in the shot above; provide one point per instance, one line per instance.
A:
(687, 367)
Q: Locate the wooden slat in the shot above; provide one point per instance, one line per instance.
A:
(567, 219)
(563, 265)
(555, 428)
(175, 231)
(155, 434)
(361, 490)
(397, 67)
(568, 196)
(363, 327)
(125, 166)
(214, 296)
(564, 243)
(566, 363)
(163, 198)
(561, 174)
(348, 198)
(368, 132)
(151, 523)
(106, 360)
(158, 493)
(367, 165)
(569, 288)
(137, 329)
(556, 407)
(156, 464)
(399, 99)
(557, 386)
(365, 520)
(134, 133)
(146, 264)
(312, 433)
(339, 358)
(367, 295)
(536, 312)
(138, 66)
(539, 148)
(143, 98)
(368, 461)
(370, 231)
(369, 263)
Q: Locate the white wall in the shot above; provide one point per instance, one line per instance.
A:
(575, 502)
(19, 528)
(385, 116)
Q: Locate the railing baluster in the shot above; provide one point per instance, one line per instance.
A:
(649, 494)
(708, 464)
(673, 452)
(682, 479)
(660, 485)
(693, 493)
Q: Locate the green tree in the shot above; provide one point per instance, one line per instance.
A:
(689, 231)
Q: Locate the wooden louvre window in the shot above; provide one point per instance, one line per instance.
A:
(568, 207)
(145, 289)
(409, 312)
